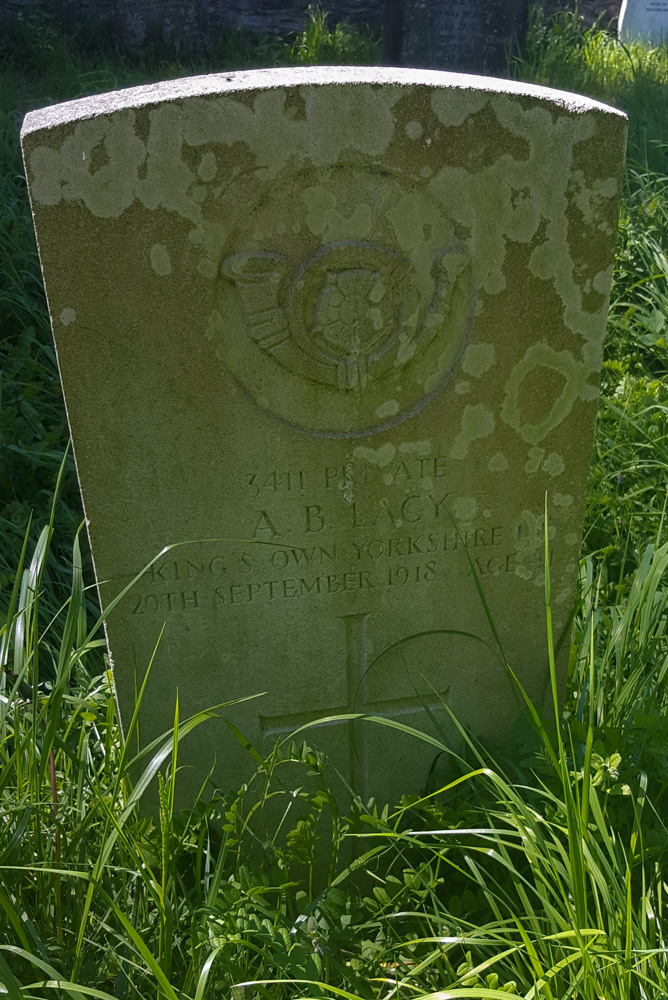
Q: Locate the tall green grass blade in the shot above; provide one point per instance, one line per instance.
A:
(141, 948)
(11, 985)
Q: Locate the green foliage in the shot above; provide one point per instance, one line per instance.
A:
(633, 77)
(543, 879)
(629, 477)
(341, 44)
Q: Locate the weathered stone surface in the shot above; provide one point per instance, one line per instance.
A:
(470, 36)
(644, 20)
(354, 317)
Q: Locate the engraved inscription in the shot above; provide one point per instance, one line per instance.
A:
(266, 574)
(321, 532)
(381, 523)
(462, 34)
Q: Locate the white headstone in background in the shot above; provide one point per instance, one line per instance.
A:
(644, 20)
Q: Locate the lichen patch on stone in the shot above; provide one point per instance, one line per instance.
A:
(477, 422)
(67, 316)
(160, 259)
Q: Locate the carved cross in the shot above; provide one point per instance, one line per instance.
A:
(357, 701)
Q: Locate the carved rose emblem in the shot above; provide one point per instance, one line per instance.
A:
(339, 335)
(338, 323)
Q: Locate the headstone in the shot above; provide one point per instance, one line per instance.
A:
(340, 331)
(644, 20)
(469, 36)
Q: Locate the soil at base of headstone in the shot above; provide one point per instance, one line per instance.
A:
(606, 10)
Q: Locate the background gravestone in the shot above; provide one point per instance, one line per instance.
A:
(354, 317)
(644, 20)
(469, 36)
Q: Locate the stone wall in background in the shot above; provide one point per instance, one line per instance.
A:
(282, 16)
(193, 21)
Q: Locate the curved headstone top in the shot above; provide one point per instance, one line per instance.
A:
(644, 21)
(338, 331)
(218, 84)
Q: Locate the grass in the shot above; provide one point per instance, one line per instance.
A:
(544, 879)
(543, 876)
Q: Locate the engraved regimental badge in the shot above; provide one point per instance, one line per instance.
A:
(344, 337)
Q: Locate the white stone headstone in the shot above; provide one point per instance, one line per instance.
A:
(355, 317)
(644, 20)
